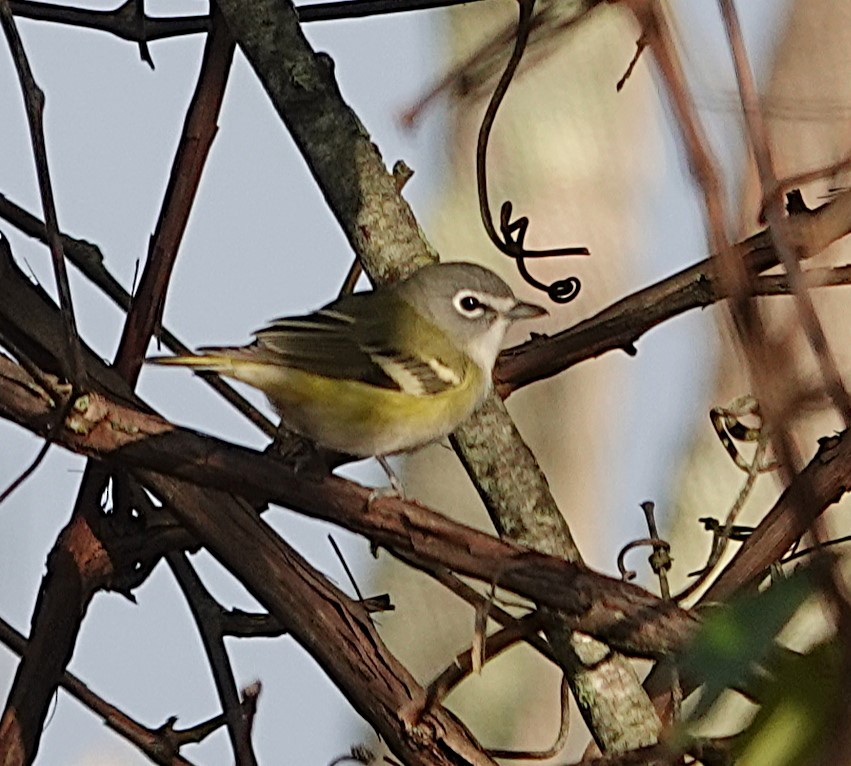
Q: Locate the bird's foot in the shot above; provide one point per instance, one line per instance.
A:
(299, 454)
(395, 489)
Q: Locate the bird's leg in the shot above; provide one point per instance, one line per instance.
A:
(395, 488)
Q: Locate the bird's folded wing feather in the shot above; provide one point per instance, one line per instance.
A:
(357, 340)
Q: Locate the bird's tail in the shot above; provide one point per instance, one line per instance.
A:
(214, 360)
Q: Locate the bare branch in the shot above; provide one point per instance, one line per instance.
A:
(773, 206)
(206, 612)
(34, 102)
(640, 623)
(89, 260)
(129, 23)
(121, 21)
(620, 325)
(149, 741)
(199, 130)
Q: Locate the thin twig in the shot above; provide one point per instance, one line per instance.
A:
(55, 426)
(724, 534)
(345, 565)
(199, 130)
(457, 586)
(124, 22)
(401, 175)
(34, 102)
(120, 21)
(465, 664)
(773, 206)
(149, 741)
(621, 324)
(89, 260)
(241, 624)
(209, 618)
(206, 611)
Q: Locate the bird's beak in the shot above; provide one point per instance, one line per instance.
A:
(523, 310)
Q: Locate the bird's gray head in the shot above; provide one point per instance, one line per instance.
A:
(470, 303)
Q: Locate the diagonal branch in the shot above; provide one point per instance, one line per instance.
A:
(34, 102)
(386, 238)
(623, 614)
(80, 563)
(206, 612)
(89, 260)
(773, 206)
(199, 130)
(150, 741)
(286, 586)
(620, 325)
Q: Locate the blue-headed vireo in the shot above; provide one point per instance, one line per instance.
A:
(380, 372)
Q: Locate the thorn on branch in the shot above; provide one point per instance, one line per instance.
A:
(640, 45)
(139, 20)
(402, 173)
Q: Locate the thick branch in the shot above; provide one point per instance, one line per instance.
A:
(621, 613)
(206, 612)
(346, 651)
(386, 238)
(828, 478)
(346, 165)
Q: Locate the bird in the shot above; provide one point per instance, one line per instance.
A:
(378, 373)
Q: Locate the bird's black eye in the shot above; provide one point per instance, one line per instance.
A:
(469, 305)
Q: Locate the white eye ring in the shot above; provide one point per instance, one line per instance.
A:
(468, 304)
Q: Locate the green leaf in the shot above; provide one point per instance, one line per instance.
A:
(736, 637)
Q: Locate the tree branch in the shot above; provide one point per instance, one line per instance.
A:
(621, 613)
(34, 103)
(199, 130)
(207, 612)
(123, 21)
(149, 741)
(620, 325)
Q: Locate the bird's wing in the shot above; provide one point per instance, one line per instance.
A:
(355, 338)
